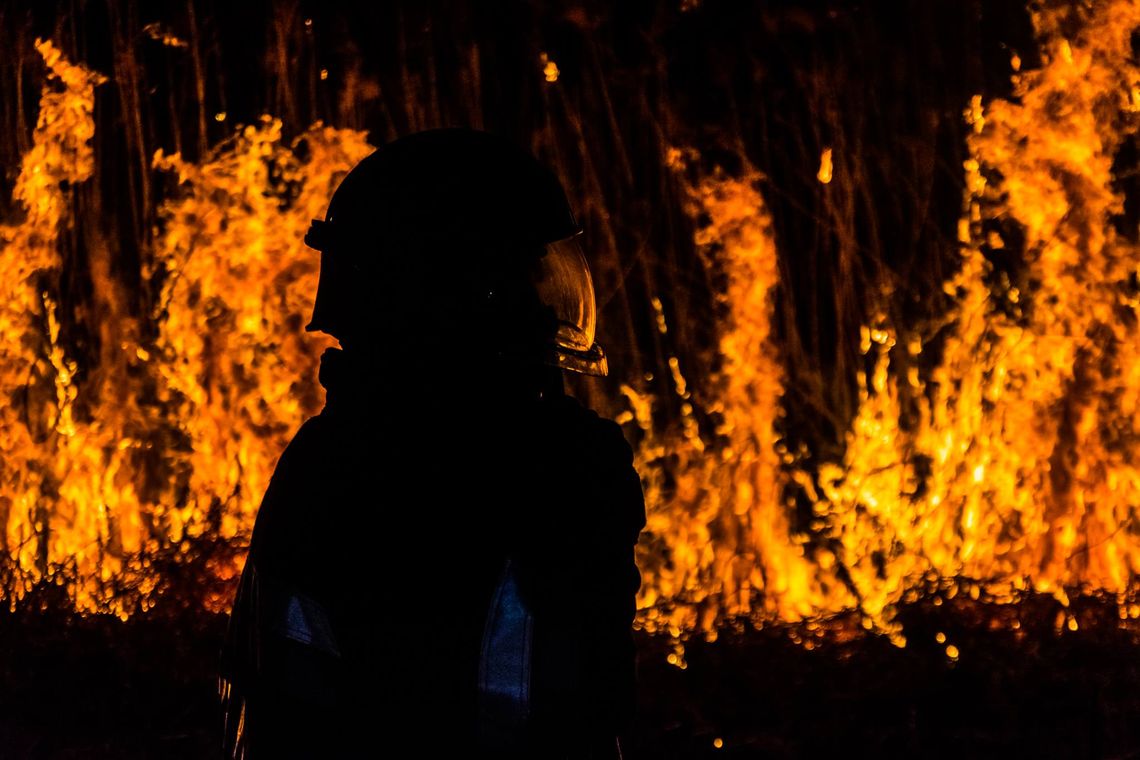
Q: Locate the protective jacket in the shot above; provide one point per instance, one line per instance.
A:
(438, 565)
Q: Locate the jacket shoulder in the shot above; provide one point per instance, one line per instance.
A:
(598, 450)
(603, 437)
(289, 487)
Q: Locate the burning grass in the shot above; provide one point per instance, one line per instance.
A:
(997, 441)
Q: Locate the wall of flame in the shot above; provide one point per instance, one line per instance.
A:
(1016, 468)
(1020, 470)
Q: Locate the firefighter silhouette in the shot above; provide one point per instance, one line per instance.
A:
(443, 560)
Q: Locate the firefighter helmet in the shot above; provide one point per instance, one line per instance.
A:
(456, 240)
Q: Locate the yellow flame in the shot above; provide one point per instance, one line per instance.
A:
(720, 540)
(550, 69)
(232, 254)
(1029, 422)
(825, 169)
(1020, 472)
(229, 374)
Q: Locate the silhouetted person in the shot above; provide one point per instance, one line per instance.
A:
(444, 555)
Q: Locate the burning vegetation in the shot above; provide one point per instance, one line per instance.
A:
(1015, 467)
(990, 451)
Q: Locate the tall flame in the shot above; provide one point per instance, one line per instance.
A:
(39, 443)
(1022, 469)
(182, 443)
(1019, 472)
(235, 365)
(719, 537)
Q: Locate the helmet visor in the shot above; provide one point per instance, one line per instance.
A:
(563, 283)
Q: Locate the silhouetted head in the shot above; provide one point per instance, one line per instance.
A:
(455, 248)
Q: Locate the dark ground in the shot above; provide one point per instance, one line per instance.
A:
(94, 687)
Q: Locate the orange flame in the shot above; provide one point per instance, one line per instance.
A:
(1028, 421)
(225, 384)
(238, 290)
(39, 426)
